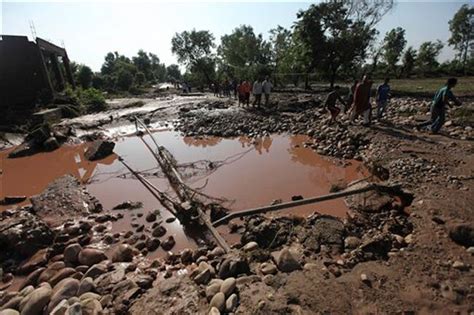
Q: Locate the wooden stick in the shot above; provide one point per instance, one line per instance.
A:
(184, 195)
(151, 188)
(292, 204)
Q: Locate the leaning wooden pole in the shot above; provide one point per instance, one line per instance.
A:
(177, 176)
(302, 202)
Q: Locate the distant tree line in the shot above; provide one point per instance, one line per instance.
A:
(330, 41)
(120, 73)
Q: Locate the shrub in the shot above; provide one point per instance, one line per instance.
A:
(92, 99)
(124, 79)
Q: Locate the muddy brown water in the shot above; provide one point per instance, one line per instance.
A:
(246, 172)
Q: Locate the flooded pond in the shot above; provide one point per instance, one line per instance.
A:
(245, 172)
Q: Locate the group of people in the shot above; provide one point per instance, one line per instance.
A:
(244, 89)
(358, 103)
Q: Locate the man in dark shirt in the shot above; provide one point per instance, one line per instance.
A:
(438, 106)
(330, 104)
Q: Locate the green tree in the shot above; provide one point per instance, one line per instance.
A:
(394, 44)
(158, 69)
(408, 61)
(124, 79)
(84, 76)
(193, 49)
(281, 51)
(140, 78)
(462, 32)
(243, 53)
(143, 64)
(428, 53)
(173, 73)
(337, 34)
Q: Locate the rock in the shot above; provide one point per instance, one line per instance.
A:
(61, 308)
(470, 250)
(203, 277)
(51, 144)
(218, 301)
(24, 149)
(86, 285)
(37, 300)
(250, 246)
(95, 271)
(61, 274)
(231, 303)
(152, 244)
(91, 256)
(71, 253)
(24, 234)
(268, 269)
(186, 256)
(408, 239)
(65, 289)
(213, 288)
(462, 234)
(130, 205)
(39, 259)
(365, 279)
(352, 242)
(75, 309)
(216, 252)
(13, 303)
(228, 286)
(89, 295)
(99, 149)
(122, 253)
(214, 311)
(91, 307)
(460, 265)
(32, 278)
(159, 231)
(286, 261)
(9, 311)
(168, 243)
(150, 217)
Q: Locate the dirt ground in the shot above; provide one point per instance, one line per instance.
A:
(383, 259)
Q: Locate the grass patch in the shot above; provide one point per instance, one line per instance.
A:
(427, 87)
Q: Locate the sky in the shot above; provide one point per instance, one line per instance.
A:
(89, 30)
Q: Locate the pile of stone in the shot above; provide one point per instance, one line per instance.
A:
(43, 138)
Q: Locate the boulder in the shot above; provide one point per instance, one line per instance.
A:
(99, 149)
(37, 300)
(86, 285)
(32, 278)
(159, 231)
(122, 253)
(231, 303)
(286, 261)
(91, 256)
(268, 269)
(61, 274)
(61, 308)
(213, 288)
(218, 301)
(39, 259)
(91, 307)
(462, 234)
(65, 289)
(24, 234)
(9, 311)
(228, 286)
(51, 144)
(71, 253)
(168, 243)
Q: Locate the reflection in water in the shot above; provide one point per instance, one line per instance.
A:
(247, 172)
(29, 176)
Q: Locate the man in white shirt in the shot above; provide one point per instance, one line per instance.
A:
(257, 92)
(267, 89)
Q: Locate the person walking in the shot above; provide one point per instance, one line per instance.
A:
(361, 104)
(438, 106)
(257, 92)
(383, 93)
(267, 89)
(330, 104)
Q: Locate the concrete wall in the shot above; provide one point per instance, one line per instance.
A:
(22, 76)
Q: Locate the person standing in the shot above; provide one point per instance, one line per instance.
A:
(330, 104)
(257, 92)
(438, 106)
(383, 93)
(267, 89)
(244, 93)
(361, 104)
